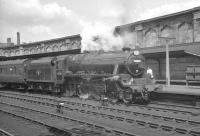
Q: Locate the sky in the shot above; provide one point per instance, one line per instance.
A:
(38, 20)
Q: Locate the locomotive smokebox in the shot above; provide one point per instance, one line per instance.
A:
(126, 49)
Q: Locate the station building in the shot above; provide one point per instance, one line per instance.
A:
(182, 30)
(58, 45)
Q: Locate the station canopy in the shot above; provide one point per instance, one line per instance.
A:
(174, 50)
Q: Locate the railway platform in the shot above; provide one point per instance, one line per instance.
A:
(189, 95)
(180, 89)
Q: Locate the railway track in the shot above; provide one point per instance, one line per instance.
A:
(38, 116)
(170, 105)
(153, 121)
(174, 108)
(153, 106)
(5, 133)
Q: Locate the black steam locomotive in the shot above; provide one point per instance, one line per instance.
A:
(115, 75)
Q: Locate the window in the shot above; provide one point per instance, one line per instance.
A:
(59, 64)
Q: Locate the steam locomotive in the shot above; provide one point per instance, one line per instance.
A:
(117, 75)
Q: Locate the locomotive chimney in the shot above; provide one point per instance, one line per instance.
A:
(8, 40)
(126, 49)
(18, 38)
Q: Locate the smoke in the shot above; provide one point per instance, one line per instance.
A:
(99, 35)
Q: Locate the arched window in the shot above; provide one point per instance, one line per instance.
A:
(167, 31)
(63, 47)
(12, 53)
(48, 49)
(17, 52)
(5, 53)
(150, 38)
(184, 33)
(26, 51)
(55, 48)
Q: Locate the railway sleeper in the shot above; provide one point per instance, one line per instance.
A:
(156, 116)
(153, 125)
(181, 131)
(180, 120)
(194, 133)
(141, 123)
(167, 128)
(168, 118)
(195, 123)
(131, 121)
(118, 133)
(111, 117)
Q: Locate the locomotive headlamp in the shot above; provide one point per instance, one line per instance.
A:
(137, 61)
(136, 52)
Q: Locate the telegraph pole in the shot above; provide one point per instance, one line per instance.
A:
(167, 39)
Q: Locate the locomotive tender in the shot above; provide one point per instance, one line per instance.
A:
(116, 75)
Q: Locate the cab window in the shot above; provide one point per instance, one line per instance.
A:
(59, 65)
(12, 70)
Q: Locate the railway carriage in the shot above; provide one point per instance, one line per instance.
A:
(12, 73)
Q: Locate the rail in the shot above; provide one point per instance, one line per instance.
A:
(142, 122)
(5, 133)
(88, 124)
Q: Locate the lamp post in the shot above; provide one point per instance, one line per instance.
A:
(167, 39)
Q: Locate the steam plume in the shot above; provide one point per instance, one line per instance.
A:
(99, 35)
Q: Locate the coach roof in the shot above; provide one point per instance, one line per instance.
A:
(13, 62)
(42, 60)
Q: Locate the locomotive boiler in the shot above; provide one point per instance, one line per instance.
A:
(117, 75)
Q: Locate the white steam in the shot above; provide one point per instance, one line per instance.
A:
(100, 36)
